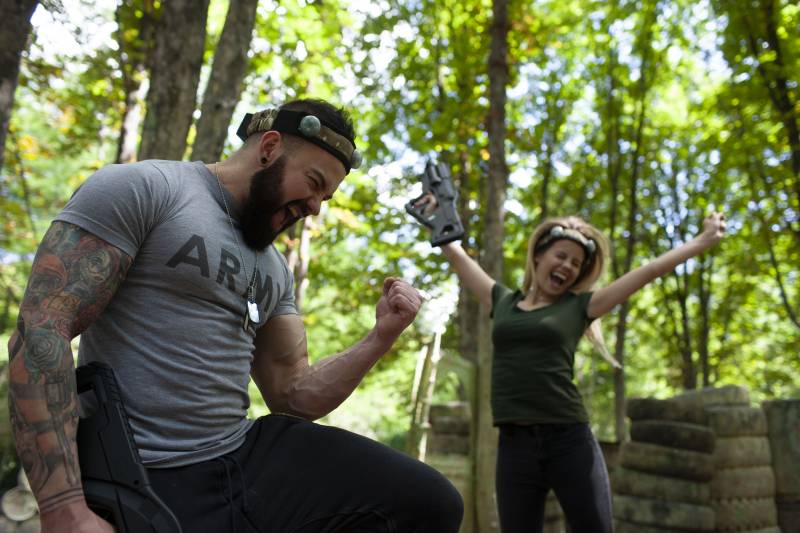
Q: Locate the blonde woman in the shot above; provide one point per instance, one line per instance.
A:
(545, 441)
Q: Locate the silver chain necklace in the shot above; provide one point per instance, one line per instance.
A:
(251, 311)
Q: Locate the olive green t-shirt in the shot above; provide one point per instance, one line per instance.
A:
(534, 356)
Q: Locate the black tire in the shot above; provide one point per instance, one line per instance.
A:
(741, 452)
(622, 526)
(736, 515)
(663, 514)
(737, 421)
(450, 425)
(710, 396)
(669, 462)
(673, 434)
(446, 444)
(789, 516)
(653, 409)
(748, 483)
(633, 483)
(450, 409)
(784, 419)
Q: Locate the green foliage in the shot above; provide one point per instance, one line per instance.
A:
(585, 76)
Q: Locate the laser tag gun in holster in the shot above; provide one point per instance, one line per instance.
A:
(443, 221)
(115, 482)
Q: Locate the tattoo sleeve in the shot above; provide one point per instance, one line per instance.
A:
(74, 276)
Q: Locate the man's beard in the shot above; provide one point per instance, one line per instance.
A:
(266, 199)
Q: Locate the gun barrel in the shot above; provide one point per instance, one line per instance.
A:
(433, 172)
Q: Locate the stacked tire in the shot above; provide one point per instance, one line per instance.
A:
(743, 482)
(783, 422)
(448, 448)
(662, 483)
(449, 429)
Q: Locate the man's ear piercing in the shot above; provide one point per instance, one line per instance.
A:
(264, 160)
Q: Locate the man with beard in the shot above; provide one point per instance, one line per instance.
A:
(167, 271)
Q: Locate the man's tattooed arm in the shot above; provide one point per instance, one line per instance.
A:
(74, 276)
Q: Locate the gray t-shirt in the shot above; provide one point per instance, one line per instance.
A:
(174, 332)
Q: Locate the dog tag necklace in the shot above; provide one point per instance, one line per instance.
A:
(251, 310)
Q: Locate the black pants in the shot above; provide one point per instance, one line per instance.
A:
(292, 475)
(531, 460)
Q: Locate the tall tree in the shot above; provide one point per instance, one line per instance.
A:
(766, 45)
(174, 76)
(134, 36)
(421, 396)
(297, 244)
(15, 26)
(761, 48)
(225, 83)
(442, 56)
(492, 257)
(622, 261)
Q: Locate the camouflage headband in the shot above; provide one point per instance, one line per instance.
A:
(306, 126)
(560, 232)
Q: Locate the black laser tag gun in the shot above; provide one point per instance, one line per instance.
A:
(443, 221)
(115, 482)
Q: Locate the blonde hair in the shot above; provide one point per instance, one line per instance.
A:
(592, 268)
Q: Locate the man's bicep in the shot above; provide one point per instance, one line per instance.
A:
(281, 353)
(73, 277)
(281, 341)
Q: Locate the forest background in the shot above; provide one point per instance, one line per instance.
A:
(641, 116)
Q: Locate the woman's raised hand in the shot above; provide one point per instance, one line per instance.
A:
(429, 201)
(713, 229)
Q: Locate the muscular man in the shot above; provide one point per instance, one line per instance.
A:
(167, 271)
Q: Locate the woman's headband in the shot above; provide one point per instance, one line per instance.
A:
(560, 232)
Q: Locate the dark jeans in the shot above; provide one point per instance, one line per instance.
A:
(292, 475)
(531, 460)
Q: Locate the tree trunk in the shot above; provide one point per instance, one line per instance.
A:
(688, 371)
(468, 306)
(174, 76)
(298, 255)
(27, 195)
(757, 167)
(304, 260)
(225, 83)
(633, 211)
(613, 171)
(704, 273)
(5, 316)
(630, 246)
(554, 121)
(15, 26)
(492, 261)
(131, 122)
(135, 32)
(778, 85)
(422, 396)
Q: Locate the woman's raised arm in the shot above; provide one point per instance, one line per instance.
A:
(472, 276)
(605, 299)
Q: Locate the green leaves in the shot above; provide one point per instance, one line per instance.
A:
(695, 99)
